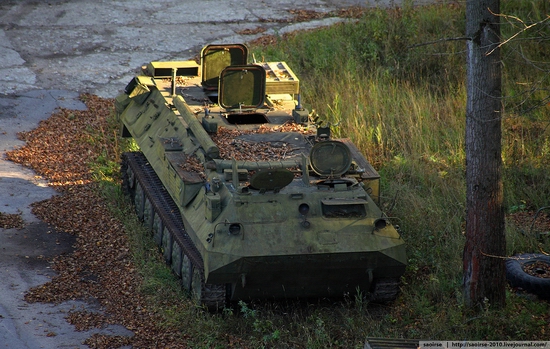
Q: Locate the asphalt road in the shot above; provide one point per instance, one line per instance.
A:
(50, 52)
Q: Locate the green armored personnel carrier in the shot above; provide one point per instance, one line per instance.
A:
(245, 196)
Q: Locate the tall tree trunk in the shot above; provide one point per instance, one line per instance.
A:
(484, 278)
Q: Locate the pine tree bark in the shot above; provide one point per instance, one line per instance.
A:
(484, 278)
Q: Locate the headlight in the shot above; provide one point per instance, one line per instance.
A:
(380, 223)
(235, 228)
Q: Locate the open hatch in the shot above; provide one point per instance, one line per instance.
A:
(241, 93)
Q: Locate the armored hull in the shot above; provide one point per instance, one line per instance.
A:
(245, 195)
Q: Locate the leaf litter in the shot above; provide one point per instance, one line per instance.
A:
(101, 268)
(11, 221)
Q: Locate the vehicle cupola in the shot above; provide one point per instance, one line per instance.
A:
(330, 158)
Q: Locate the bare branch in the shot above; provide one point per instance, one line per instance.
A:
(440, 40)
(525, 28)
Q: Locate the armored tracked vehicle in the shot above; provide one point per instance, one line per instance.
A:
(244, 194)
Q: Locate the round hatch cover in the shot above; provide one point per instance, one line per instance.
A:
(275, 178)
(330, 158)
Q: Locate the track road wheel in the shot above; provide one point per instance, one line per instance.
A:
(139, 201)
(148, 215)
(158, 228)
(128, 179)
(196, 289)
(530, 272)
(166, 247)
(186, 273)
(176, 258)
(213, 297)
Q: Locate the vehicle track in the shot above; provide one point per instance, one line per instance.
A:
(158, 211)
